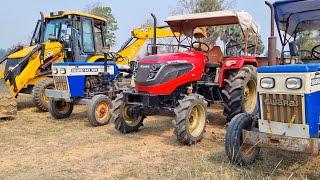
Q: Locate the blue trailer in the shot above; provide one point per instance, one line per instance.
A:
(289, 106)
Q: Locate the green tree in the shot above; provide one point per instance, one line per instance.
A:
(234, 33)
(306, 40)
(104, 11)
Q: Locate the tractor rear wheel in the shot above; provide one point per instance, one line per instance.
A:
(190, 120)
(99, 110)
(40, 100)
(60, 109)
(124, 122)
(240, 92)
(238, 152)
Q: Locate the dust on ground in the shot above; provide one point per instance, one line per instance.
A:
(34, 146)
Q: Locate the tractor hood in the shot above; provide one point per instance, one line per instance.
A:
(22, 53)
(174, 57)
(294, 68)
(163, 73)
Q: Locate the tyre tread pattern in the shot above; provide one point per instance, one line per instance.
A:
(37, 91)
(56, 114)
(233, 140)
(8, 105)
(233, 90)
(117, 117)
(181, 119)
(92, 110)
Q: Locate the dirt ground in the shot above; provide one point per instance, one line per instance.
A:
(34, 146)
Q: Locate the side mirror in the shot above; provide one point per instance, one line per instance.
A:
(293, 49)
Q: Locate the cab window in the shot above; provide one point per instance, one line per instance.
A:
(52, 27)
(87, 36)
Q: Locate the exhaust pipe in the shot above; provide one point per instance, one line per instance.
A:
(272, 40)
(154, 48)
(42, 29)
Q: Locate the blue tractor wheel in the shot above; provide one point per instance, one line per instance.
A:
(60, 109)
(99, 110)
(238, 152)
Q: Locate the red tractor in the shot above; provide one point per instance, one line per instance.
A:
(188, 81)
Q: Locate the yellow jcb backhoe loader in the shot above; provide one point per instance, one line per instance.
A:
(62, 36)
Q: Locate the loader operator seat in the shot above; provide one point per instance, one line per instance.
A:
(215, 55)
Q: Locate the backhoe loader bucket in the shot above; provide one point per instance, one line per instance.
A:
(8, 103)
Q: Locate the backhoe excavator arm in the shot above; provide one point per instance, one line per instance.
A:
(139, 37)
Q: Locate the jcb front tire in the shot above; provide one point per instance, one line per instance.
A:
(60, 109)
(240, 92)
(99, 110)
(238, 152)
(123, 122)
(190, 119)
(40, 100)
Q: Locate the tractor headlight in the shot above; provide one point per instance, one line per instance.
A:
(267, 83)
(294, 83)
(55, 71)
(155, 67)
(152, 75)
(63, 70)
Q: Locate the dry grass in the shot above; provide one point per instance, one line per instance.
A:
(34, 146)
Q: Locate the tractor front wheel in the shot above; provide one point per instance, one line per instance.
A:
(240, 92)
(190, 119)
(60, 109)
(238, 152)
(99, 110)
(40, 100)
(122, 116)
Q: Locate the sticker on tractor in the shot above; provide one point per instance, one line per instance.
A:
(81, 70)
(315, 81)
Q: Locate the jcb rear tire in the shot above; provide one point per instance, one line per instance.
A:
(123, 122)
(99, 110)
(237, 86)
(60, 109)
(190, 120)
(237, 152)
(40, 100)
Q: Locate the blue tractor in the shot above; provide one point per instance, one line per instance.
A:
(289, 106)
(91, 84)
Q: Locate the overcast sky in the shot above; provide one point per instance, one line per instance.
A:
(18, 17)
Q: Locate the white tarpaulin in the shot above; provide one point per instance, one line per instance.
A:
(187, 23)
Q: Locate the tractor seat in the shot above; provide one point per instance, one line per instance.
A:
(215, 55)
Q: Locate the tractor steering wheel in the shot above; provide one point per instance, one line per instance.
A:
(315, 53)
(239, 47)
(200, 46)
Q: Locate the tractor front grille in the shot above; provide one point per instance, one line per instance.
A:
(283, 108)
(61, 83)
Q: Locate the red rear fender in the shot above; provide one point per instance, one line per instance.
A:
(231, 64)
